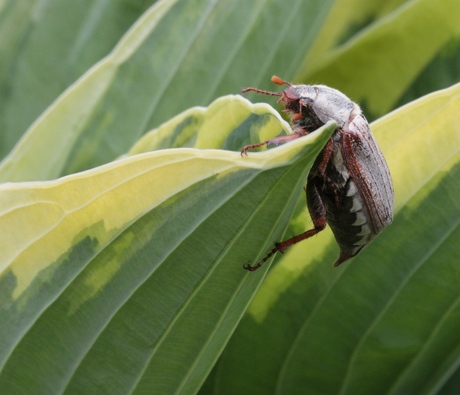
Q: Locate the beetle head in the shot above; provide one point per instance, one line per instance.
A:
(290, 97)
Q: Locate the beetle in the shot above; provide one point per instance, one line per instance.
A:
(349, 186)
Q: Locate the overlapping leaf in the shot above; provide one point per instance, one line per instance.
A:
(230, 123)
(129, 278)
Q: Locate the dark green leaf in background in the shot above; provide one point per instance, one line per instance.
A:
(178, 55)
(45, 46)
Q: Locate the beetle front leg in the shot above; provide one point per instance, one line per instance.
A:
(276, 140)
(317, 211)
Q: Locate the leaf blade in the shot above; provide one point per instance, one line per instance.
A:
(124, 288)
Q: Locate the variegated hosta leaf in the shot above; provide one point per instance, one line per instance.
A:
(128, 278)
(230, 122)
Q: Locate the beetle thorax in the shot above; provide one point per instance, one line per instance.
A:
(327, 104)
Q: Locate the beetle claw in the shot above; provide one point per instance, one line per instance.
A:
(250, 268)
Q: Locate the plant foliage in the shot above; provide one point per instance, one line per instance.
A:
(127, 211)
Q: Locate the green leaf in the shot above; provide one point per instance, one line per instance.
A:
(346, 19)
(45, 46)
(408, 40)
(392, 313)
(178, 55)
(129, 276)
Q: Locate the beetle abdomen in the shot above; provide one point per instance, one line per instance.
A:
(349, 220)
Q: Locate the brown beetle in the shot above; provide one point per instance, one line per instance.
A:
(349, 186)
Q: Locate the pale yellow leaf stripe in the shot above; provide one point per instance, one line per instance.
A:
(43, 220)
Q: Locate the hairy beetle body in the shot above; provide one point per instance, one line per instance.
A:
(349, 186)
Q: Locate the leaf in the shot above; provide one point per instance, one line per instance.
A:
(392, 313)
(441, 72)
(346, 19)
(230, 122)
(378, 79)
(178, 55)
(129, 276)
(63, 30)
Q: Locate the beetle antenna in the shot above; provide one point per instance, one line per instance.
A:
(278, 81)
(260, 91)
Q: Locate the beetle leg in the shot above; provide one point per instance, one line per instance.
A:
(335, 193)
(322, 161)
(317, 211)
(276, 140)
(321, 164)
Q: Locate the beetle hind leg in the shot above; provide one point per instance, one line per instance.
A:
(317, 212)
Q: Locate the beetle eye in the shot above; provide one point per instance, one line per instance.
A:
(293, 106)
